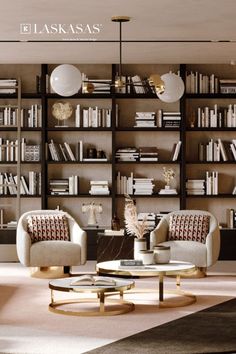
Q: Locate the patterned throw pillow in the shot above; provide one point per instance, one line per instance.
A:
(189, 227)
(48, 228)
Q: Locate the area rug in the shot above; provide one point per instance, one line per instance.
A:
(27, 327)
(209, 331)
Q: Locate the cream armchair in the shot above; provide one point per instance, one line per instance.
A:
(202, 255)
(50, 253)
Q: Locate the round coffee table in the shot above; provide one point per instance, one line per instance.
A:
(100, 291)
(154, 270)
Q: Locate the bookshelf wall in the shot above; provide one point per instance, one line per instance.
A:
(122, 134)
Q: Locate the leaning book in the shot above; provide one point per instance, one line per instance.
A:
(90, 280)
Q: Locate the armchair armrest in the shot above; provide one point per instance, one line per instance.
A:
(159, 234)
(23, 244)
(213, 246)
(78, 235)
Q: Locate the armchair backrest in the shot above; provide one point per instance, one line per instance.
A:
(213, 221)
(23, 219)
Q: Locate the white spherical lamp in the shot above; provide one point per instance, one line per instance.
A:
(174, 88)
(66, 80)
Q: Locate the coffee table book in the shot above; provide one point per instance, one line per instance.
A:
(88, 280)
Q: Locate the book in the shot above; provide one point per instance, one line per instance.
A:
(89, 280)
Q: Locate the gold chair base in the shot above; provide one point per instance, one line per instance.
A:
(48, 272)
(124, 307)
(198, 272)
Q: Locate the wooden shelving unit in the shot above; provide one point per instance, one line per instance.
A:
(121, 135)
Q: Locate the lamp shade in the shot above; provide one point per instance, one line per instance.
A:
(66, 80)
(174, 88)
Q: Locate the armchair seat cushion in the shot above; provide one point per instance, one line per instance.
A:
(63, 253)
(189, 227)
(191, 251)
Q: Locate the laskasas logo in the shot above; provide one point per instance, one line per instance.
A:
(60, 28)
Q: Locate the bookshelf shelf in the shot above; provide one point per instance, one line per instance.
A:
(70, 129)
(226, 195)
(79, 162)
(79, 196)
(147, 162)
(210, 162)
(211, 129)
(210, 96)
(128, 129)
(155, 195)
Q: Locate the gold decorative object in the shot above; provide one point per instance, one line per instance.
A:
(168, 174)
(62, 111)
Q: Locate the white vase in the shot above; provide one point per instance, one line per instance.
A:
(139, 245)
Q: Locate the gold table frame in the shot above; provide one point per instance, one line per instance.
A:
(100, 291)
(157, 270)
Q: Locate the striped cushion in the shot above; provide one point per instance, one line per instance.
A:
(48, 227)
(189, 227)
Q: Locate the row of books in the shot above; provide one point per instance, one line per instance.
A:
(64, 186)
(208, 186)
(99, 188)
(216, 117)
(92, 117)
(60, 151)
(131, 185)
(196, 82)
(8, 184)
(7, 86)
(217, 150)
(30, 117)
(9, 151)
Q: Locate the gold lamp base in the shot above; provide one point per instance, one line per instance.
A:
(48, 272)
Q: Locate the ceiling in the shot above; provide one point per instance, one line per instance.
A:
(150, 20)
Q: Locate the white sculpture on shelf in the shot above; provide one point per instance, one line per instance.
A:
(92, 209)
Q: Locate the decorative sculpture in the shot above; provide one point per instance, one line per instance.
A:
(92, 209)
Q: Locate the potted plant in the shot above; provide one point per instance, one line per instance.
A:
(135, 227)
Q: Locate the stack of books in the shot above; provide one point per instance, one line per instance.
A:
(59, 186)
(29, 117)
(195, 186)
(145, 120)
(143, 186)
(147, 153)
(212, 183)
(227, 86)
(64, 186)
(7, 86)
(127, 154)
(171, 119)
(99, 188)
